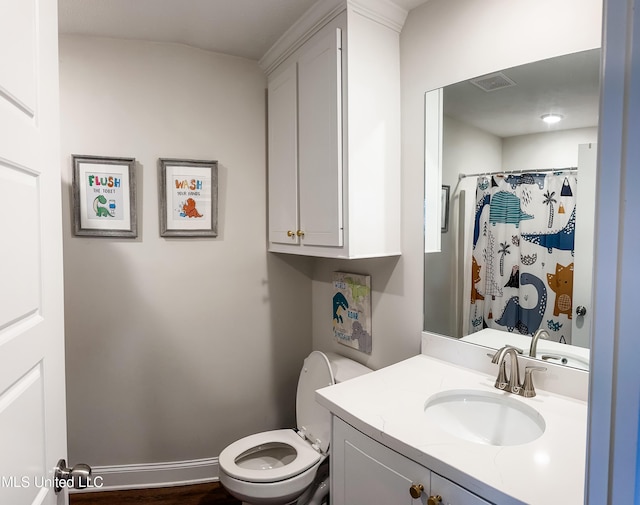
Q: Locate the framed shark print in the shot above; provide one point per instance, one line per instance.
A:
(188, 198)
(104, 197)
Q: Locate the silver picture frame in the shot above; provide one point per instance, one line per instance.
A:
(104, 197)
(188, 197)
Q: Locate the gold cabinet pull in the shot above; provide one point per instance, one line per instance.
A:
(416, 490)
(290, 233)
(434, 500)
(300, 233)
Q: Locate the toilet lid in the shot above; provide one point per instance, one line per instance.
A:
(314, 421)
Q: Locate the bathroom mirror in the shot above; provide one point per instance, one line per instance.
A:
(517, 253)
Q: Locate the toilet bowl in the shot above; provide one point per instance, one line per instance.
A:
(281, 467)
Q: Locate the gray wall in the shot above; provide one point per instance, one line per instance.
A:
(175, 347)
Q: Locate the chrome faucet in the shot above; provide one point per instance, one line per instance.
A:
(534, 341)
(512, 383)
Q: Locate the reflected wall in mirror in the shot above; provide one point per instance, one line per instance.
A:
(517, 256)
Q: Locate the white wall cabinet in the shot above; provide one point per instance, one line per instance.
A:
(334, 132)
(305, 147)
(364, 471)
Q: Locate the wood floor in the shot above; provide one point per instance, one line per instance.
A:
(199, 494)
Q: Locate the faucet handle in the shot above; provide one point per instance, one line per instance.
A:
(528, 391)
(561, 359)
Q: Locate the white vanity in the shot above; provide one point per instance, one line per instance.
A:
(386, 449)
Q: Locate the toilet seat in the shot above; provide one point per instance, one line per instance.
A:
(313, 420)
(305, 456)
(281, 466)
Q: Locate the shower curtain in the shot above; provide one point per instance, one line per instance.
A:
(522, 261)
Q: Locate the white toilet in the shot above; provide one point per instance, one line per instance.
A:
(282, 467)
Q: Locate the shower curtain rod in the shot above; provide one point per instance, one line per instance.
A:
(507, 172)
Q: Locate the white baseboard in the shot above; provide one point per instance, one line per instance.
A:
(177, 473)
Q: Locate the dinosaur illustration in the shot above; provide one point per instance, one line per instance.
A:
(562, 240)
(189, 208)
(516, 180)
(505, 208)
(358, 290)
(475, 278)
(526, 321)
(339, 302)
(562, 284)
(362, 336)
(479, 207)
(101, 211)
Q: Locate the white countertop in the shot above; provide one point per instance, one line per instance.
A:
(388, 406)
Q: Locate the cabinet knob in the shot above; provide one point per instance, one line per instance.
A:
(416, 490)
(290, 234)
(580, 310)
(300, 233)
(434, 500)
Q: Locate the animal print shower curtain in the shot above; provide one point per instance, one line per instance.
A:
(522, 264)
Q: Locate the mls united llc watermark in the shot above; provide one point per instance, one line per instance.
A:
(28, 481)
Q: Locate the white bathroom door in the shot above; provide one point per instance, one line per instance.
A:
(584, 246)
(32, 399)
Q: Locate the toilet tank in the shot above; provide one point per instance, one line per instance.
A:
(344, 368)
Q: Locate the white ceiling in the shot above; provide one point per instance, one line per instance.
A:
(568, 85)
(246, 28)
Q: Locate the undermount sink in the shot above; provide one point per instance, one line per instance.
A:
(484, 418)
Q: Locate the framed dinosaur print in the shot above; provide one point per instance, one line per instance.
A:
(188, 198)
(352, 310)
(104, 197)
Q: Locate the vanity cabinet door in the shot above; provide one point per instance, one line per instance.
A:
(452, 494)
(365, 472)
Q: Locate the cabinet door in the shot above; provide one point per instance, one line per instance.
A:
(365, 472)
(452, 494)
(283, 157)
(320, 139)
